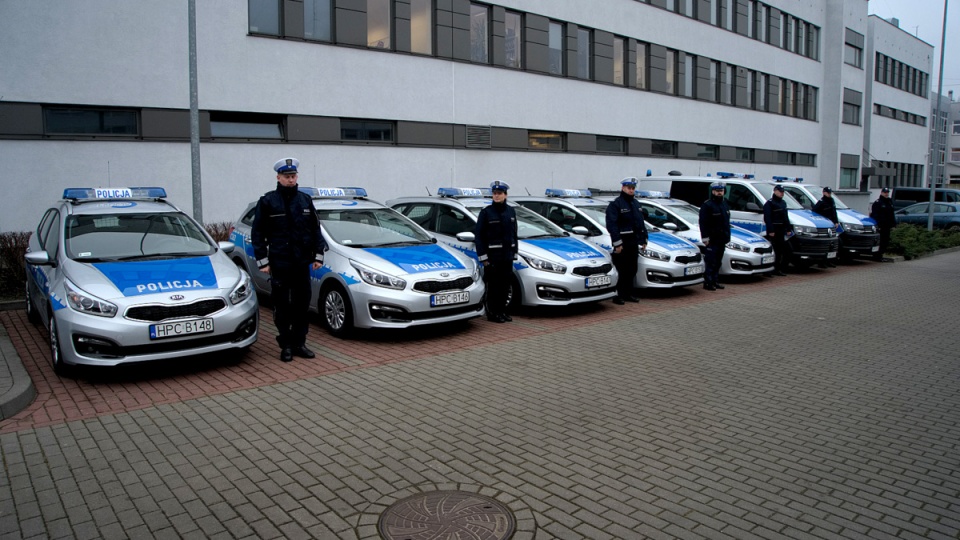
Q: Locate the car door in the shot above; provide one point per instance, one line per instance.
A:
(801, 196)
(915, 214)
(48, 235)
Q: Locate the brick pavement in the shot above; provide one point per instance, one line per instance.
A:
(817, 406)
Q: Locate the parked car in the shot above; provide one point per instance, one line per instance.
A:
(945, 215)
(905, 196)
(553, 268)
(667, 261)
(382, 270)
(121, 275)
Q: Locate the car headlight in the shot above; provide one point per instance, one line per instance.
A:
(379, 279)
(242, 290)
(476, 273)
(870, 228)
(803, 230)
(852, 227)
(738, 247)
(653, 254)
(546, 266)
(85, 303)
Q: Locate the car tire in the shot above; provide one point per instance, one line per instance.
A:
(335, 310)
(514, 295)
(32, 314)
(60, 367)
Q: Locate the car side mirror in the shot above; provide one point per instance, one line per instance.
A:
(226, 247)
(39, 258)
(466, 237)
(752, 207)
(581, 230)
(670, 226)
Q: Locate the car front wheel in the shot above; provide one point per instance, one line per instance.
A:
(336, 312)
(56, 352)
(31, 309)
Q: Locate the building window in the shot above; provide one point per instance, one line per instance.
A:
(811, 105)
(512, 44)
(848, 179)
(808, 160)
(726, 85)
(555, 42)
(366, 130)
(744, 154)
(663, 148)
(642, 51)
(730, 22)
(318, 20)
(851, 114)
(712, 92)
(545, 140)
(708, 151)
(751, 102)
(671, 84)
(955, 154)
(611, 145)
(785, 158)
(583, 54)
(689, 73)
(762, 81)
(853, 55)
(956, 127)
(618, 60)
(264, 17)
(378, 24)
(479, 35)
(421, 26)
(79, 121)
(233, 125)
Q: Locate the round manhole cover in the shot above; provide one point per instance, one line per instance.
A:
(447, 515)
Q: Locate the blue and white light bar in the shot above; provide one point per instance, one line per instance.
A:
(554, 192)
(652, 194)
(83, 194)
(788, 179)
(334, 192)
(734, 175)
(455, 192)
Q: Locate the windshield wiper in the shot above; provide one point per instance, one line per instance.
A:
(403, 243)
(548, 235)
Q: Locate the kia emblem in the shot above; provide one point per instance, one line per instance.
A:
(176, 297)
(444, 274)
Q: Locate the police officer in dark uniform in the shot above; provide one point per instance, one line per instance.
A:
(496, 243)
(715, 233)
(827, 208)
(777, 221)
(287, 242)
(882, 213)
(624, 222)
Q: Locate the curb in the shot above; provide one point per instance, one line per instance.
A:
(22, 392)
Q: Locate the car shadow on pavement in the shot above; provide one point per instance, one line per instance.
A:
(157, 369)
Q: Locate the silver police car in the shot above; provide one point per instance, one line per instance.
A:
(121, 275)
(381, 270)
(666, 262)
(553, 268)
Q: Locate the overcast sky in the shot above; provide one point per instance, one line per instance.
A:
(924, 19)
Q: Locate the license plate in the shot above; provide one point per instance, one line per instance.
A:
(449, 299)
(767, 259)
(181, 328)
(832, 255)
(597, 281)
(693, 270)
(875, 248)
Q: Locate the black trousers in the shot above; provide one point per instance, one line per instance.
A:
(884, 242)
(626, 263)
(291, 294)
(498, 276)
(713, 259)
(781, 251)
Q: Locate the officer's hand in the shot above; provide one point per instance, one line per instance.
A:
(486, 263)
(618, 249)
(316, 265)
(265, 269)
(706, 243)
(643, 246)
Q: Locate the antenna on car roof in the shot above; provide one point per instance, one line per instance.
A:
(527, 190)
(428, 191)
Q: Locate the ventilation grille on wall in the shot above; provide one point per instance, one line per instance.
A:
(478, 136)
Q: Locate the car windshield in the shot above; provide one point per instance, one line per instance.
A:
(529, 223)
(839, 203)
(767, 191)
(115, 237)
(371, 227)
(595, 211)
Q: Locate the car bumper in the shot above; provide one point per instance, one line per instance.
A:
(814, 248)
(379, 307)
(539, 288)
(657, 274)
(741, 263)
(859, 244)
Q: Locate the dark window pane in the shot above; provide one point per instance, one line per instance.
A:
(664, 148)
(613, 145)
(358, 130)
(317, 16)
(264, 17)
(245, 125)
(90, 122)
(540, 140)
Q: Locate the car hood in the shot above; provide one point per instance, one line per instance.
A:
(190, 276)
(561, 249)
(809, 218)
(744, 236)
(848, 215)
(661, 241)
(406, 260)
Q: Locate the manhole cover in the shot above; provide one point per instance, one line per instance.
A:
(447, 515)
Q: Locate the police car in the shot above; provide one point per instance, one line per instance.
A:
(552, 267)
(121, 275)
(667, 261)
(858, 232)
(747, 253)
(381, 269)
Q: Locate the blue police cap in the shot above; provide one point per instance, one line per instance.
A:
(497, 184)
(286, 165)
(827, 189)
(778, 187)
(629, 181)
(717, 185)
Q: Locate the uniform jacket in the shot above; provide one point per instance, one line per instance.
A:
(625, 221)
(882, 212)
(827, 208)
(286, 230)
(715, 221)
(775, 216)
(496, 233)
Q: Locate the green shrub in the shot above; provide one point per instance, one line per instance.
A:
(220, 231)
(912, 241)
(13, 273)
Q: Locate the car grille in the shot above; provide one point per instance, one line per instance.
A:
(762, 250)
(592, 270)
(156, 313)
(437, 286)
(687, 259)
(826, 232)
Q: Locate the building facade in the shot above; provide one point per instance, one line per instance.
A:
(404, 96)
(944, 156)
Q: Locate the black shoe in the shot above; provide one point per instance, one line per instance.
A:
(633, 299)
(303, 352)
(286, 354)
(886, 259)
(779, 273)
(709, 287)
(507, 318)
(496, 318)
(719, 286)
(617, 300)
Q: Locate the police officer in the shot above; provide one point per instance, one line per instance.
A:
(287, 242)
(777, 221)
(827, 208)
(882, 213)
(715, 233)
(624, 222)
(496, 243)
